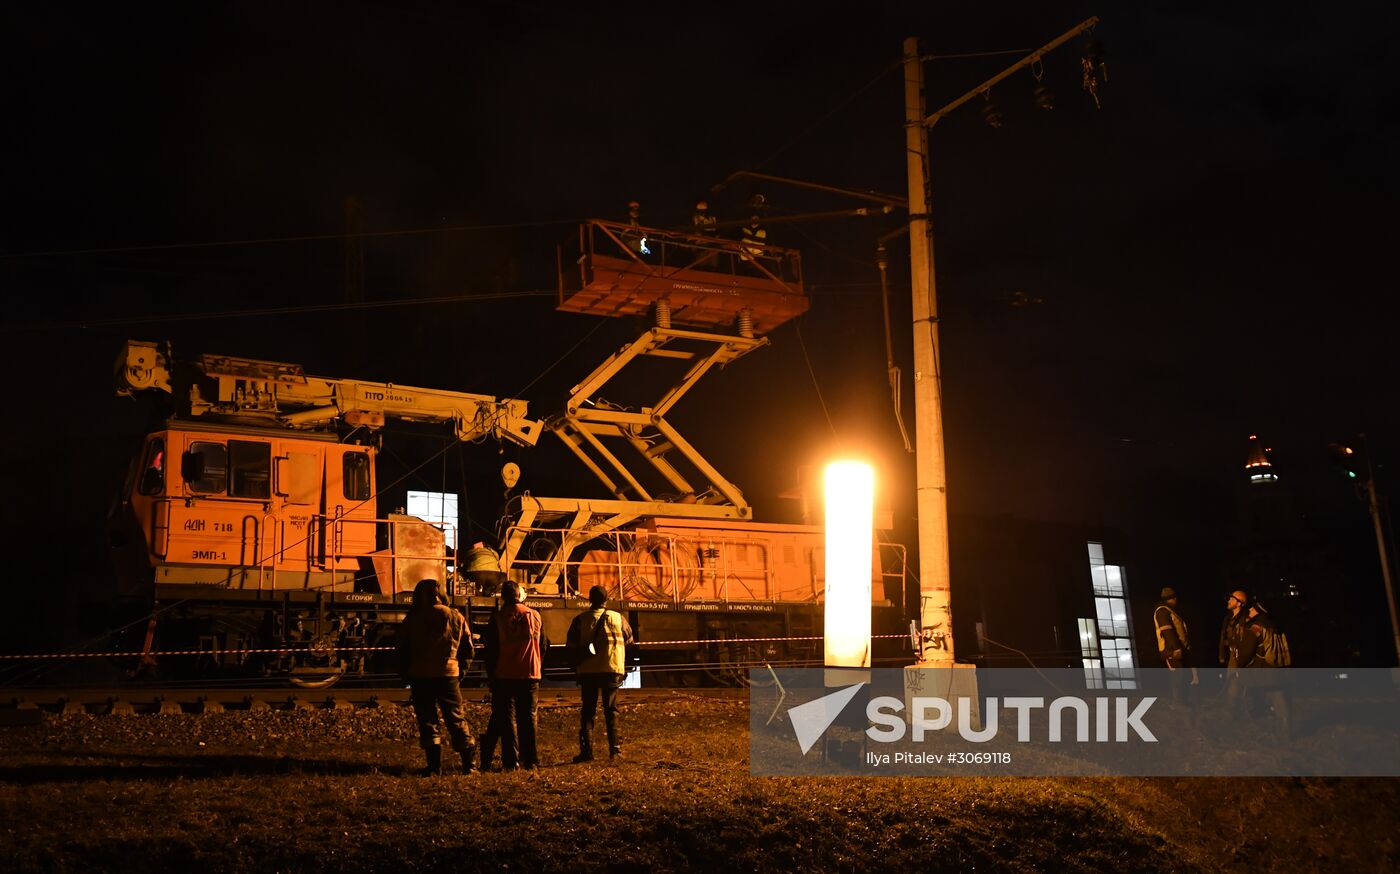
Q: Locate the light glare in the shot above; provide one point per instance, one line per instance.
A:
(850, 501)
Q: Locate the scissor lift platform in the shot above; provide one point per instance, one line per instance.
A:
(618, 269)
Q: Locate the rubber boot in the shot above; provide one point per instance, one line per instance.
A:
(614, 741)
(585, 747)
(468, 755)
(434, 767)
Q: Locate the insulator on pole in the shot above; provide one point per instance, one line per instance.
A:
(663, 313)
(990, 113)
(746, 323)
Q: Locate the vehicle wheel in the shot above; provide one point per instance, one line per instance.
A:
(315, 678)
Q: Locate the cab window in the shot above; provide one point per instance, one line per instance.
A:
(355, 476)
(153, 468)
(212, 467)
(250, 469)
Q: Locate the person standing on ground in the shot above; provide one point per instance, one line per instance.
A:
(1174, 645)
(433, 643)
(598, 639)
(515, 645)
(1231, 631)
(1263, 650)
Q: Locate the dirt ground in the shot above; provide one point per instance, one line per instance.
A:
(316, 790)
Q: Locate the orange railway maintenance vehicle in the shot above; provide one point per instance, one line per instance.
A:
(250, 520)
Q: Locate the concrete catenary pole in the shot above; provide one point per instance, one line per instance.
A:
(931, 477)
(935, 609)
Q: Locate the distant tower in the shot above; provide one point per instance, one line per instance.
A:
(1257, 464)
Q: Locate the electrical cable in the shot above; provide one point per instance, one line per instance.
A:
(805, 132)
(815, 384)
(825, 117)
(1028, 661)
(304, 238)
(956, 56)
(275, 311)
(837, 253)
(560, 359)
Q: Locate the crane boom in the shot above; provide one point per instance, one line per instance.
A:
(282, 393)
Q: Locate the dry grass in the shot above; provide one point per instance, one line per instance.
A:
(323, 790)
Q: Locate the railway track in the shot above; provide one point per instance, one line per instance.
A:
(27, 705)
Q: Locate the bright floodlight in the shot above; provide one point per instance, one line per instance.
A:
(850, 498)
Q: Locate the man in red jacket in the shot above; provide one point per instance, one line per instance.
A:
(515, 646)
(432, 641)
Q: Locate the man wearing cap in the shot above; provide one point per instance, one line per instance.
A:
(598, 639)
(433, 643)
(1174, 645)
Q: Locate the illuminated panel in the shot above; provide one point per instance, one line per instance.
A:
(850, 498)
(440, 508)
(1107, 640)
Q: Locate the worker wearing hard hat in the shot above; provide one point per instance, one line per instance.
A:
(635, 237)
(483, 568)
(754, 235)
(703, 221)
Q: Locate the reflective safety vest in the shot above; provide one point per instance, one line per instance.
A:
(598, 642)
(1176, 622)
(705, 224)
(755, 239)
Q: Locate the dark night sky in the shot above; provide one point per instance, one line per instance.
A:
(1210, 248)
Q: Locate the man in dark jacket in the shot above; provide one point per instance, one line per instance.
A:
(433, 642)
(515, 645)
(1231, 628)
(598, 639)
(1259, 641)
(1230, 631)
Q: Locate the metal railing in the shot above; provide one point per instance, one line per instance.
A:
(651, 566)
(661, 566)
(275, 556)
(676, 250)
